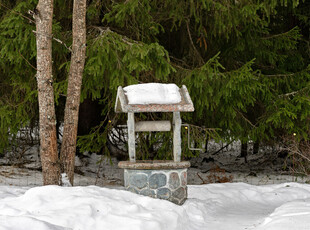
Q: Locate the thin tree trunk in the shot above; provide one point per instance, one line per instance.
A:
(255, 147)
(68, 147)
(47, 118)
(244, 151)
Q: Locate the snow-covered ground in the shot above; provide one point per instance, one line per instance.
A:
(229, 206)
(276, 204)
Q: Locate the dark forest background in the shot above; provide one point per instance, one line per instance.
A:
(244, 62)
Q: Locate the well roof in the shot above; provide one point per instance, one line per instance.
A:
(122, 106)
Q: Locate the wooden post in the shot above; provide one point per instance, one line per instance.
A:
(177, 137)
(131, 137)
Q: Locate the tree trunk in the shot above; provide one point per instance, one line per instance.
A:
(244, 151)
(47, 118)
(68, 146)
(255, 147)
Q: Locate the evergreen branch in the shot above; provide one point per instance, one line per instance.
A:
(189, 68)
(308, 45)
(27, 60)
(201, 61)
(7, 101)
(278, 35)
(18, 13)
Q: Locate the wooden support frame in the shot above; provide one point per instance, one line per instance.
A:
(122, 106)
(177, 137)
(177, 150)
(131, 137)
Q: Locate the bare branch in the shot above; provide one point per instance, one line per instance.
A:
(64, 44)
(293, 93)
(27, 60)
(281, 75)
(201, 61)
(247, 120)
(56, 39)
(286, 75)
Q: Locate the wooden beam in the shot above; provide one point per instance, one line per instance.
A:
(131, 137)
(155, 126)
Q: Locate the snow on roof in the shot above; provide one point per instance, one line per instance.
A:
(152, 93)
(153, 97)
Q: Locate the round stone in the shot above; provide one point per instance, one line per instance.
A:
(174, 180)
(184, 178)
(148, 192)
(138, 180)
(180, 193)
(157, 180)
(181, 202)
(163, 193)
(132, 189)
(175, 201)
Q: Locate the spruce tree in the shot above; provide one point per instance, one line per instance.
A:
(245, 63)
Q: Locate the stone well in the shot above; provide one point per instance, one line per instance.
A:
(158, 179)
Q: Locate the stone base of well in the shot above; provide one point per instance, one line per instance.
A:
(158, 179)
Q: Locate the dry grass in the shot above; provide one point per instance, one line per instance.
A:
(216, 175)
